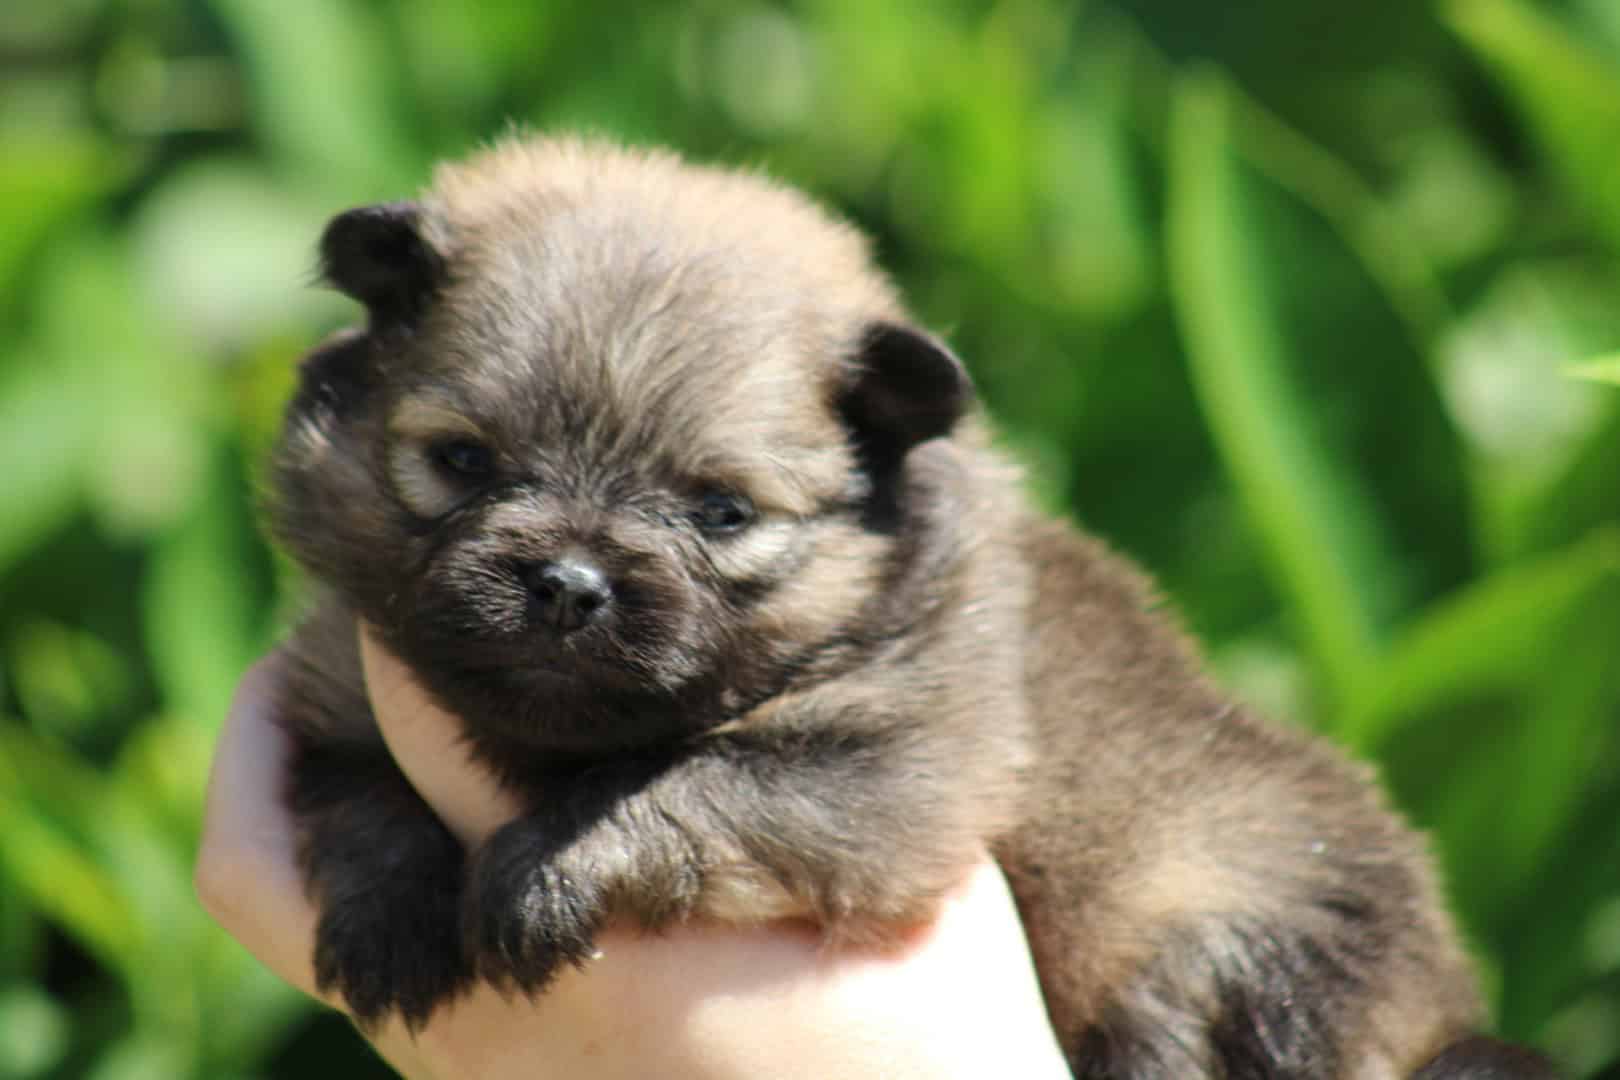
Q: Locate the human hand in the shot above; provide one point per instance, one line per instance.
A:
(957, 999)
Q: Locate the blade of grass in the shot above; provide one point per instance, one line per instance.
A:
(1368, 228)
(60, 879)
(1307, 506)
(1603, 369)
(45, 435)
(342, 127)
(1493, 715)
(1543, 943)
(1490, 637)
(1569, 97)
(1561, 743)
(44, 180)
(202, 606)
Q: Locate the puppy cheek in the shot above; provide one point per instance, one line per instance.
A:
(663, 620)
(469, 591)
(764, 554)
(834, 574)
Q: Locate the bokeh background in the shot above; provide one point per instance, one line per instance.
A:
(1278, 296)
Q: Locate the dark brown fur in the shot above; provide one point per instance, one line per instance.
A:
(825, 713)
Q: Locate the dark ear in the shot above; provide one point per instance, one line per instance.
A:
(907, 388)
(1482, 1058)
(334, 376)
(377, 255)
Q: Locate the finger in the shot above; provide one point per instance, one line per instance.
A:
(247, 874)
(426, 741)
(959, 999)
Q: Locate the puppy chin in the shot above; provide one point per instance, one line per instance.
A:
(575, 713)
(546, 669)
(629, 680)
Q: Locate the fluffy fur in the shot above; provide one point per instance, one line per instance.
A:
(835, 656)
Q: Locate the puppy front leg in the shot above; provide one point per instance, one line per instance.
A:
(387, 877)
(845, 832)
(540, 887)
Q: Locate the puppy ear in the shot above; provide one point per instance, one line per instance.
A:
(333, 377)
(908, 387)
(1483, 1058)
(379, 255)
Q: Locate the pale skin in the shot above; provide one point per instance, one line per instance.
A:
(957, 999)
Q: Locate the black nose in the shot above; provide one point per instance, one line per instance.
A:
(568, 593)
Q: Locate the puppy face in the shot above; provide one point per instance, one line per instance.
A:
(623, 451)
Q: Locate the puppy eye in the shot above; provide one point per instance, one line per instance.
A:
(721, 512)
(465, 458)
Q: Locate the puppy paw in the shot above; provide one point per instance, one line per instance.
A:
(392, 947)
(527, 911)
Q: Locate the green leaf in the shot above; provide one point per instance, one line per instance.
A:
(1488, 638)
(1236, 352)
(1095, 252)
(244, 1008)
(238, 292)
(21, 938)
(69, 682)
(138, 400)
(1543, 945)
(144, 1056)
(1388, 252)
(1493, 716)
(1604, 369)
(1569, 97)
(204, 607)
(1582, 498)
(343, 126)
(164, 764)
(1543, 446)
(45, 436)
(1559, 748)
(93, 854)
(45, 179)
(48, 862)
(33, 1031)
(1286, 365)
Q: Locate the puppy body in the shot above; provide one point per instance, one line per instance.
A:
(809, 653)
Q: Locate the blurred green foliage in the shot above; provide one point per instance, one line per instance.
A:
(1279, 296)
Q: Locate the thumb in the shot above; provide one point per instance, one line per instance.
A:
(428, 745)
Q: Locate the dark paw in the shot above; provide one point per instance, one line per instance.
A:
(527, 913)
(392, 950)
(1483, 1058)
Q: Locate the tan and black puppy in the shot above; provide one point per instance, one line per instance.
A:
(642, 468)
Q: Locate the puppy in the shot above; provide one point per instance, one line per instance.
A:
(645, 472)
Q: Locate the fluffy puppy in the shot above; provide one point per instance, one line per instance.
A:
(646, 473)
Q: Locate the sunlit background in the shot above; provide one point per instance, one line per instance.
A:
(1278, 296)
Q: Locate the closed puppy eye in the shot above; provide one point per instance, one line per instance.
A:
(464, 458)
(723, 512)
(435, 476)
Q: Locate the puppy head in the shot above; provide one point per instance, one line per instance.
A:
(626, 448)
